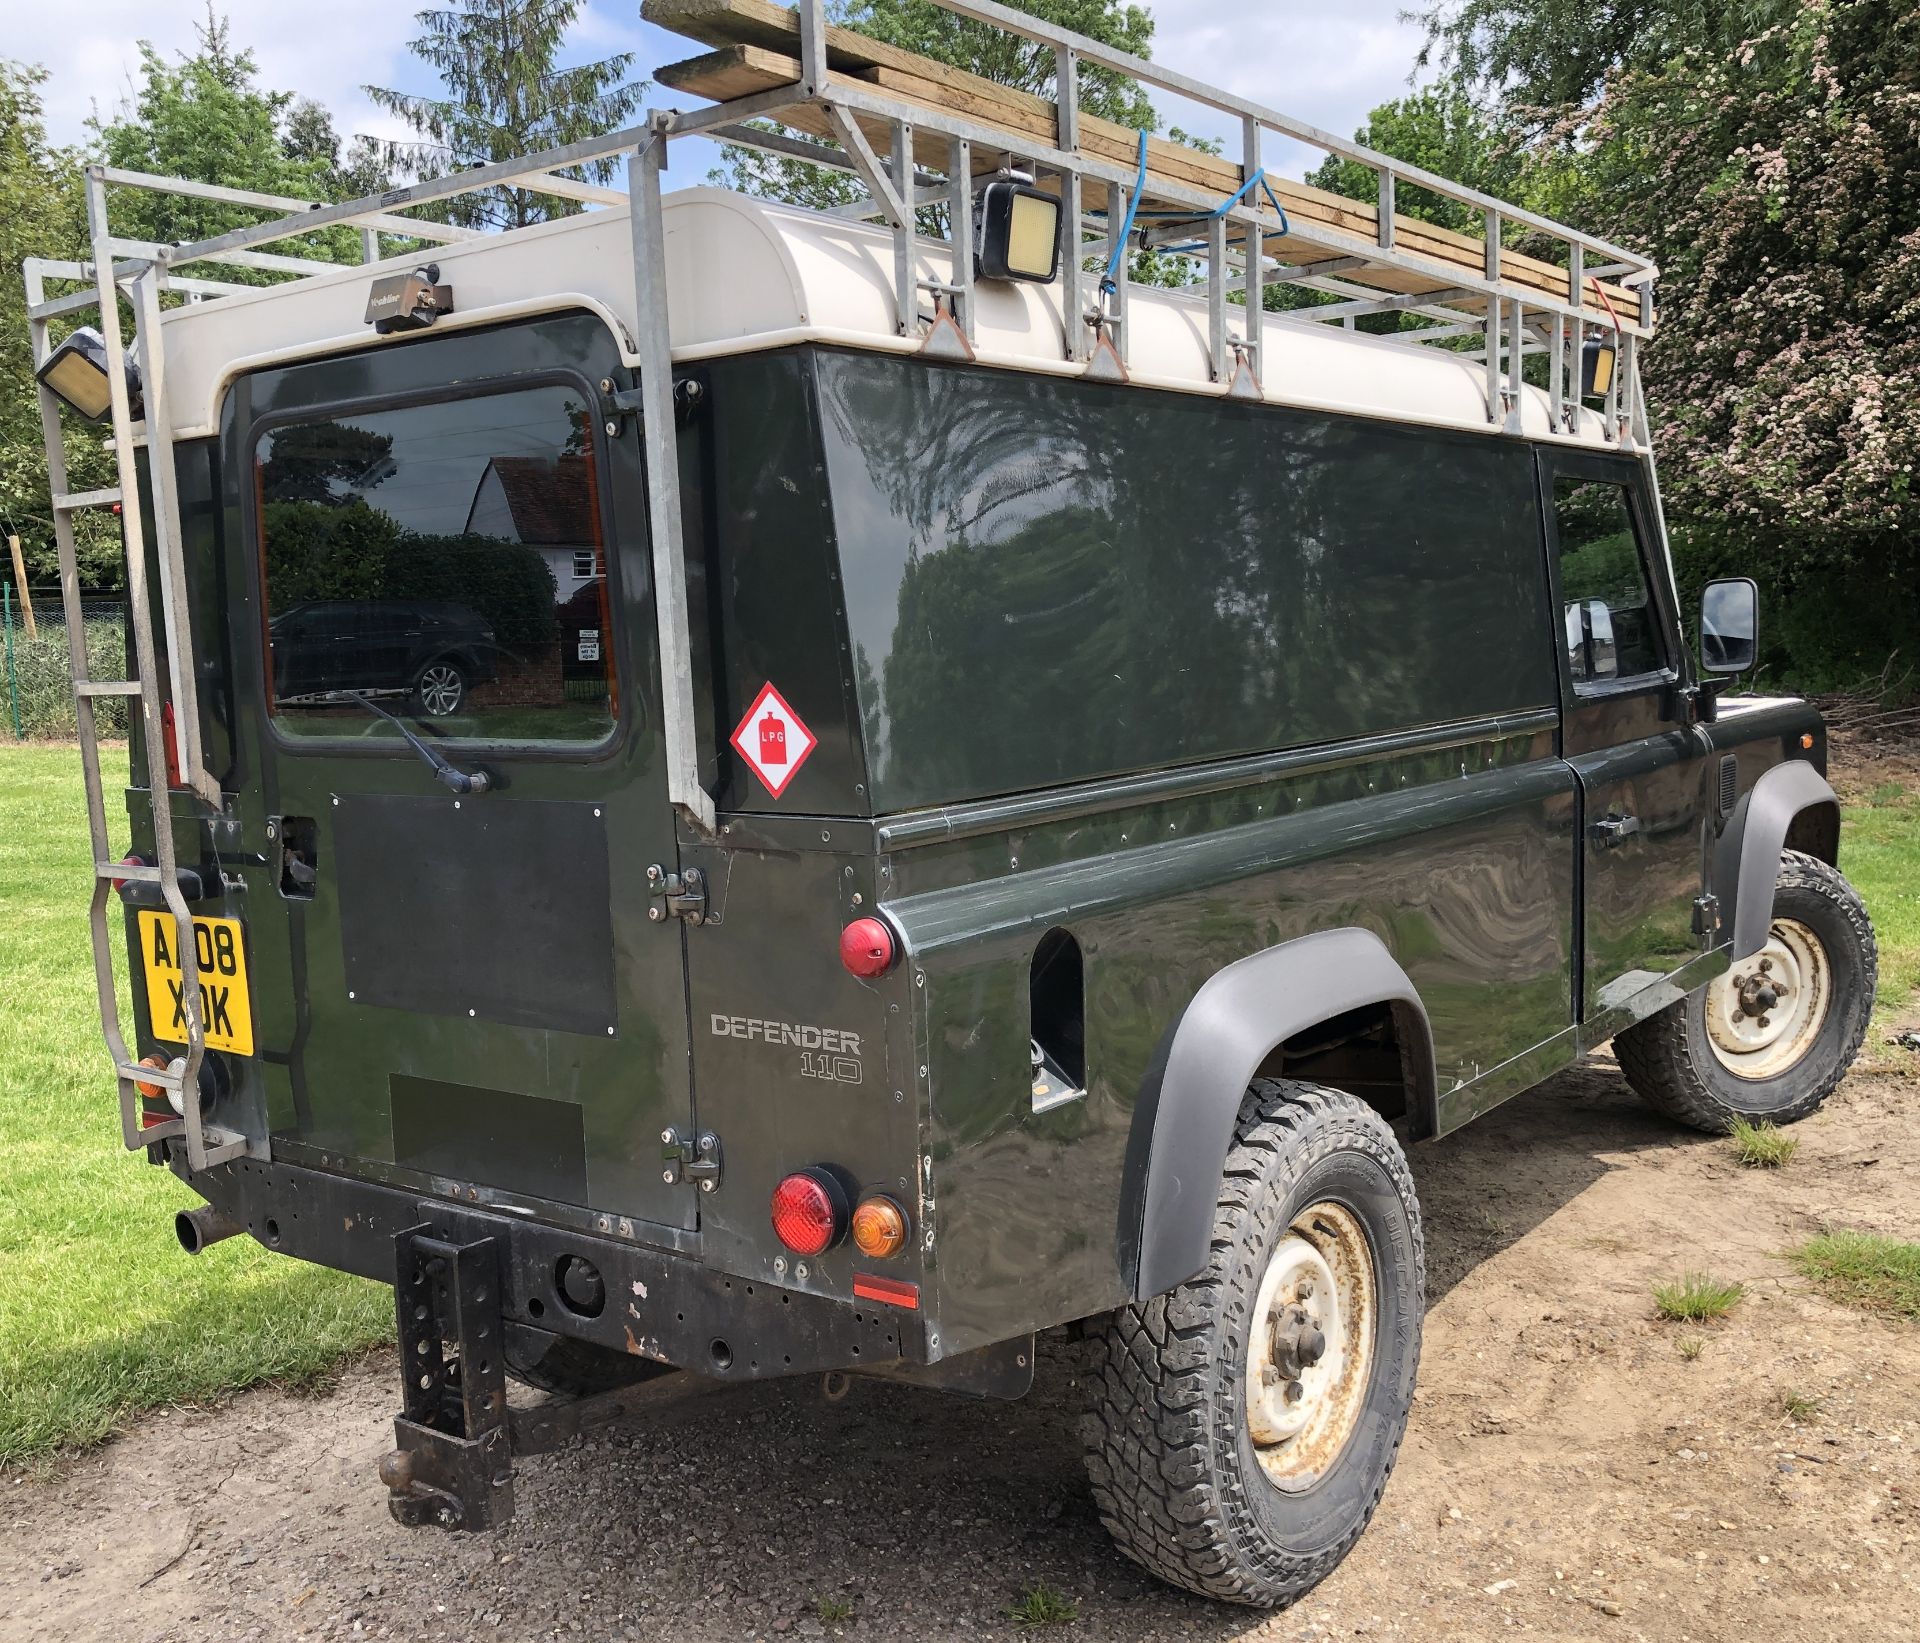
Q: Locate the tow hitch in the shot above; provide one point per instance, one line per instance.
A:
(455, 1436)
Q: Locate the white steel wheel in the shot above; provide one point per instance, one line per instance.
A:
(1310, 1348)
(1766, 1012)
(1244, 1423)
(1772, 1037)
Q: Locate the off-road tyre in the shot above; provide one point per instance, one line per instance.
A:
(1175, 1473)
(1669, 1058)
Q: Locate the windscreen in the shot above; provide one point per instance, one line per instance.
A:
(443, 561)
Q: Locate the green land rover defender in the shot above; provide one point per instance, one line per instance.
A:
(722, 791)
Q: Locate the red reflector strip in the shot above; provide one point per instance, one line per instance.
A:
(888, 1291)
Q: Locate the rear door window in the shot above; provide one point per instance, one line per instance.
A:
(444, 561)
(1612, 622)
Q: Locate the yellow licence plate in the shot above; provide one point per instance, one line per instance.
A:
(226, 1010)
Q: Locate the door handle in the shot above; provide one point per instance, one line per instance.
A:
(1614, 829)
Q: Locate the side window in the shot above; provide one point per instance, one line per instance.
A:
(1612, 622)
(443, 561)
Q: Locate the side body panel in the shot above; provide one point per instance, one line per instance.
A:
(796, 1062)
(1052, 584)
(1467, 881)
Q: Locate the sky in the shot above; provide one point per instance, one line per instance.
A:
(1324, 64)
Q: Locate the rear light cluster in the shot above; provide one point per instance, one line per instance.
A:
(879, 1227)
(811, 1215)
(170, 734)
(165, 1096)
(809, 1212)
(867, 947)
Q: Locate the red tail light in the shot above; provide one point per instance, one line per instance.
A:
(172, 738)
(809, 1212)
(866, 947)
(135, 860)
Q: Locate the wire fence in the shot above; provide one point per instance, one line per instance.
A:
(38, 687)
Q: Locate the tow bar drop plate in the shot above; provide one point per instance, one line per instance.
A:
(452, 1464)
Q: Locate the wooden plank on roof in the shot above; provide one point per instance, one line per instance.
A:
(740, 71)
(756, 40)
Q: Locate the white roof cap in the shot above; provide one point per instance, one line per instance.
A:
(745, 274)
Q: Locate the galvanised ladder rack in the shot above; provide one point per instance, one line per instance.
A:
(1510, 320)
(141, 278)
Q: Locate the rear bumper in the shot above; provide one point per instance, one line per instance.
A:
(658, 1304)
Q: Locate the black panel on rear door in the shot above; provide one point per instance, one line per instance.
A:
(488, 907)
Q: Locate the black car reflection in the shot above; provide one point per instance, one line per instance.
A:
(430, 652)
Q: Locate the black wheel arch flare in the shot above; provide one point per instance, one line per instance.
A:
(1183, 1121)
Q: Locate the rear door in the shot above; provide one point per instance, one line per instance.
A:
(461, 991)
(1626, 730)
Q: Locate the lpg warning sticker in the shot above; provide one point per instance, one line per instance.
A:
(773, 741)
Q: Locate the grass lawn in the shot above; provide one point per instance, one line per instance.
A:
(1880, 853)
(100, 1311)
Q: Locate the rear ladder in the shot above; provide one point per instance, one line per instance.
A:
(143, 280)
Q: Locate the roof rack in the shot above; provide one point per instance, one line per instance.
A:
(916, 133)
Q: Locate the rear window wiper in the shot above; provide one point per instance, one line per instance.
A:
(460, 781)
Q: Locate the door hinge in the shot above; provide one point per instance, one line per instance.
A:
(688, 397)
(695, 1161)
(1706, 916)
(682, 895)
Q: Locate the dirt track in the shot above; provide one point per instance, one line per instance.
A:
(1568, 1473)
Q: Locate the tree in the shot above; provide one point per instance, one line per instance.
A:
(361, 171)
(42, 214)
(205, 118)
(1541, 58)
(505, 98)
(979, 48)
(1767, 155)
(1440, 129)
(1443, 130)
(1779, 188)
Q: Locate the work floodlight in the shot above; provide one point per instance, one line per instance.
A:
(77, 372)
(1016, 232)
(1596, 368)
(408, 302)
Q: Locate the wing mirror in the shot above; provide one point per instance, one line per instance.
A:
(1729, 625)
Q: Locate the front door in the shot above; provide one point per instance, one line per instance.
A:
(460, 990)
(1626, 730)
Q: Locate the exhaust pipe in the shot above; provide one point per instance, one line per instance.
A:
(197, 1228)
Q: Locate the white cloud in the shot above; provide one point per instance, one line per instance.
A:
(1325, 66)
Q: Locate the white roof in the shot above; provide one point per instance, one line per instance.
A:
(745, 274)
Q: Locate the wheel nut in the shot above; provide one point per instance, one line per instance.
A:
(1295, 1391)
(1306, 1289)
(1739, 1015)
(1763, 1021)
(1766, 964)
